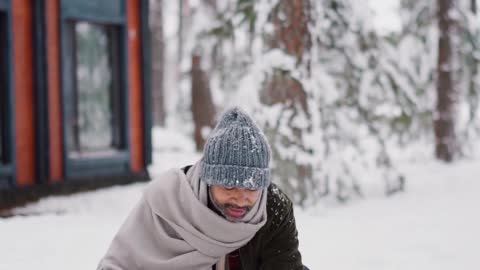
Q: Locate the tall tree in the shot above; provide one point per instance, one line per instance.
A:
(444, 118)
(473, 60)
(158, 61)
(185, 14)
(310, 72)
(290, 19)
(203, 109)
(180, 31)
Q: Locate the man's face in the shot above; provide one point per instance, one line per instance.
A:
(234, 203)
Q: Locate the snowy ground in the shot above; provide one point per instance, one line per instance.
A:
(433, 225)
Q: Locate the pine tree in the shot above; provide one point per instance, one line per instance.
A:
(444, 120)
(292, 36)
(311, 71)
(158, 62)
(469, 78)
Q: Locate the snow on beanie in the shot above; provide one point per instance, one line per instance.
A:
(237, 153)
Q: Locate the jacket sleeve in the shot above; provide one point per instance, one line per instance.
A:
(280, 249)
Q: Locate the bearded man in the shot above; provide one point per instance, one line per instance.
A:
(222, 213)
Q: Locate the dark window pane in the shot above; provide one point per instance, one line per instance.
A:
(2, 125)
(3, 89)
(97, 92)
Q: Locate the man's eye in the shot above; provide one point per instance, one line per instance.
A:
(228, 188)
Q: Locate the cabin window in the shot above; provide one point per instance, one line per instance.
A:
(94, 88)
(96, 125)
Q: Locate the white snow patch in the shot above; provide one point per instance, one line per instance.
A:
(432, 226)
(172, 141)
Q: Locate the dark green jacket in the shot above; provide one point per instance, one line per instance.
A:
(275, 246)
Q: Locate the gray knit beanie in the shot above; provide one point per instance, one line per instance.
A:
(236, 153)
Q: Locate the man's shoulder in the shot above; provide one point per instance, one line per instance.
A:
(276, 197)
(165, 183)
(279, 206)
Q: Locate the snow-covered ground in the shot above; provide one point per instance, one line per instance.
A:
(433, 225)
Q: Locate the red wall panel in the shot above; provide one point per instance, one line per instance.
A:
(135, 85)
(52, 13)
(23, 91)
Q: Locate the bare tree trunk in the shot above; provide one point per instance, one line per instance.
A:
(293, 37)
(158, 61)
(473, 6)
(212, 4)
(181, 19)
(290, 19)
(291, 33)
(216, 53)
(184, 26)
(444, 124)
(203, 109)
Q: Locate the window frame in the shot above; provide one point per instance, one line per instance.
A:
(7, 169)
(146, 79)
(116, 99)
(106, 13)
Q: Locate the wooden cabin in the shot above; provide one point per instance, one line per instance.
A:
(74, 95)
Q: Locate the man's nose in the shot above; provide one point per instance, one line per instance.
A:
(241, 198)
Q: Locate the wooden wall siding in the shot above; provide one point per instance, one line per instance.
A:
(135, 85)
(23, 91)
(52, 15)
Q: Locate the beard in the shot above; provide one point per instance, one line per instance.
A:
(231, 212)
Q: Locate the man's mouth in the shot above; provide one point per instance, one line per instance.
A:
(236, 212)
